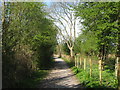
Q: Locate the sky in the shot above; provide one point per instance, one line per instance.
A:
(78, 24)
(48, 3)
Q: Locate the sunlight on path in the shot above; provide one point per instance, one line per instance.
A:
(60, 77)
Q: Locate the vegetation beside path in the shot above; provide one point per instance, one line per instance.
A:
(87, 32)
(27, 44)
(109, 80)
(35, 79)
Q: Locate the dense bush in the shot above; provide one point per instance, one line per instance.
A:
(28, 43)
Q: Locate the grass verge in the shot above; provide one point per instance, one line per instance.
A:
(109, 81)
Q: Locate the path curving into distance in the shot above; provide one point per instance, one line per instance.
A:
(60, 77)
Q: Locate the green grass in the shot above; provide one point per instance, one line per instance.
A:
(109, 81)
(108, 78)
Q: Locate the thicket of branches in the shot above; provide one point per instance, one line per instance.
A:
(28, 41)
(100, 33)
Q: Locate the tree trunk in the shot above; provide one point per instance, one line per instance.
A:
(71, 52)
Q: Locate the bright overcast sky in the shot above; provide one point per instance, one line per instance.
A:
(78, 25)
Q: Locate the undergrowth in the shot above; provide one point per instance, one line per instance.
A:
(35, 79)
(109, 81)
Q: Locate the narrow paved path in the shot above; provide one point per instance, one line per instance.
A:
(60, 77)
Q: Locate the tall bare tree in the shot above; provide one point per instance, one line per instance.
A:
(65, 21)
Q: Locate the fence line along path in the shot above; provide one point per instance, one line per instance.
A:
(60, 77)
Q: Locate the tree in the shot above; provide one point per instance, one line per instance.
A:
(28, 43)
(66, 23)
(86, 43)
(102, 22)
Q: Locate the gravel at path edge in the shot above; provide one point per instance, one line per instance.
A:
(60, 77)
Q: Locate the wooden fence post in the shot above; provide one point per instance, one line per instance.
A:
(75, 61)
(116, 66)
(118, 74)
(80, 62)
(84, 63)
(100, 71)
(116, 69)
(90, 67)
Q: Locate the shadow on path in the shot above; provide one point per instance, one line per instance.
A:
(60, 77)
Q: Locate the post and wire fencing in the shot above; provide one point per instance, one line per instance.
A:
(88, 65)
